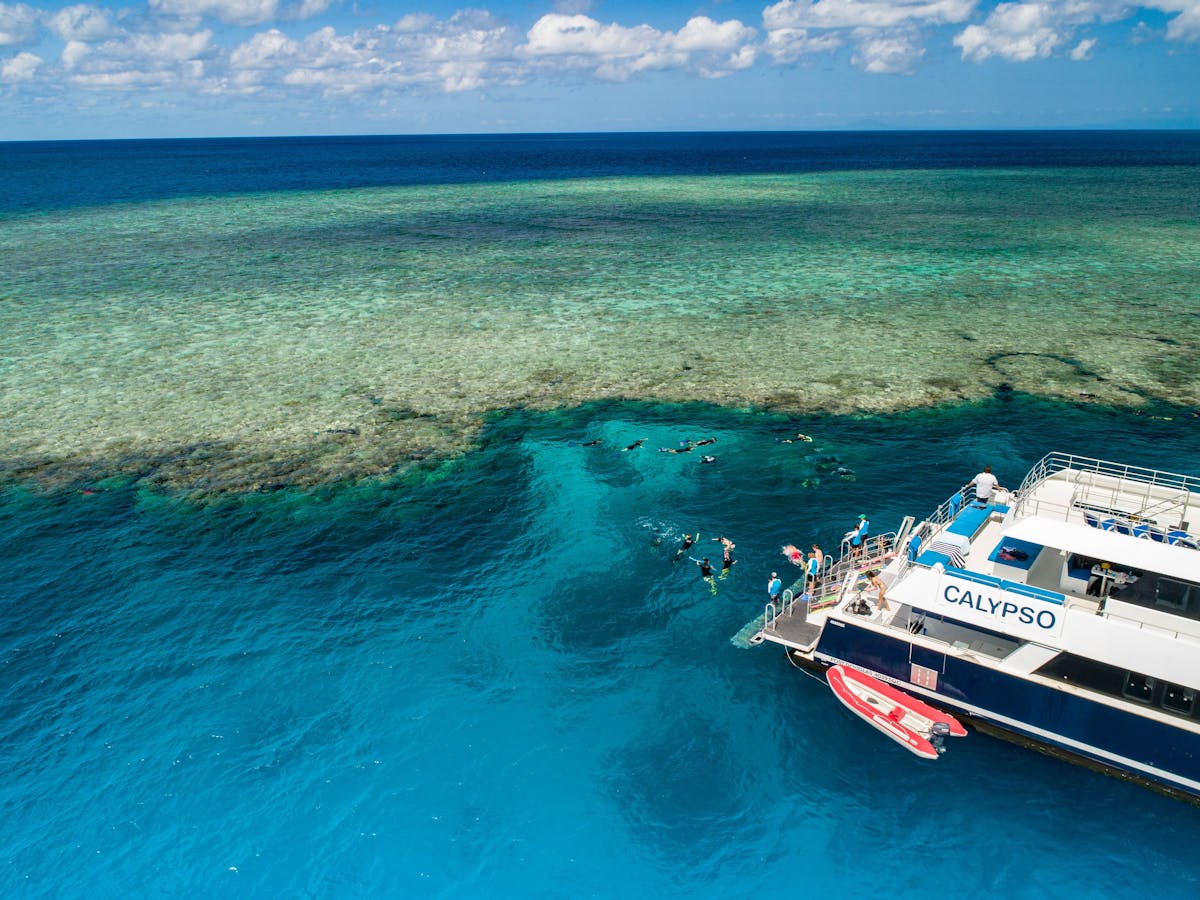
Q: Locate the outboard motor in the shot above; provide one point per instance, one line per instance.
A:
(937, 736)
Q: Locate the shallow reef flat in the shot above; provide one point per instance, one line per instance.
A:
(255, 341)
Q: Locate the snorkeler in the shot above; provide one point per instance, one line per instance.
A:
(705, 566)
(706, 441)
(684, 447)
(594, 443)
(708, 459)
(634, 445)
(685, 546)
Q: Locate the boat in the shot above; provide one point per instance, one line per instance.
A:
(1063, 615)
(915, 726)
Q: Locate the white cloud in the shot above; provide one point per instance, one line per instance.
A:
(467, 51)
(579, 35)
(72, 53)
(81, 22)
(231, 12)
(473, 50)
(139, 60)
(864, 13)
(788, 45)
(306, 9)
(415, 22)
(886, 33)
(572, 7)
(615, 52)
(1014, 31)
(17, 24)
(887, 54)
(1083, 50)
(21, 67)
(1022, 31)
(1186, 25)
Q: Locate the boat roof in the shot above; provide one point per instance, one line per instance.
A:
(1137, 553)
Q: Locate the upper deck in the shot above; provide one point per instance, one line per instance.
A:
(1131, 500)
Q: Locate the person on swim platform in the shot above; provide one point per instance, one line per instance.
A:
(774, 588)
(812, 571)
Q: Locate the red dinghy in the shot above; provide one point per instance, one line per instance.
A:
(905, 719)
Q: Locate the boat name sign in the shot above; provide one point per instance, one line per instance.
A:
(1013, 614)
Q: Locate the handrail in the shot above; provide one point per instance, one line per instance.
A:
(1089, 467)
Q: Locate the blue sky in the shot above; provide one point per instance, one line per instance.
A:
(175, 68)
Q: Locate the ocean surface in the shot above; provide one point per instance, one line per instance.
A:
(324, 572)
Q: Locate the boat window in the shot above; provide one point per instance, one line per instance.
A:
(1179, 699)
(1114, 682)
(1138, 687)
(1084, 672)
(1177, 596)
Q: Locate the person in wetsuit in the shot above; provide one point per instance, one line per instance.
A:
(685, 546)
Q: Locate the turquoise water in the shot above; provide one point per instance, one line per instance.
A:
(313, 581)
(500, 682)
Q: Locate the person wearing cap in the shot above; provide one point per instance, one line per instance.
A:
(774, 588)
(858, 537)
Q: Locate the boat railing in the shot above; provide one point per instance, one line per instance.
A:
(1106, 484)
(787, 607)
(847, 587)
(875, 548)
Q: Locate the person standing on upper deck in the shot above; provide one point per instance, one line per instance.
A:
(985, 482)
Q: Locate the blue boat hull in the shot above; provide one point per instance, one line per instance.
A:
(1070, 725)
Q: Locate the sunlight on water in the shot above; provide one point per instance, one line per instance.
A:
(299, 338)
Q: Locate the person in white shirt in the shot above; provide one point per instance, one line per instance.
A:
(985, 482)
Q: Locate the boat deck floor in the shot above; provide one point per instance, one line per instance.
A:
(794, 628)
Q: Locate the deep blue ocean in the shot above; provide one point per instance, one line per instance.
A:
(490, 678)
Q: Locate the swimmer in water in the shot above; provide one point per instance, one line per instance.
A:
(727, 545)
(634, 445)
(594, 443)
(708, 459)
(706, 441)
(685, 546)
